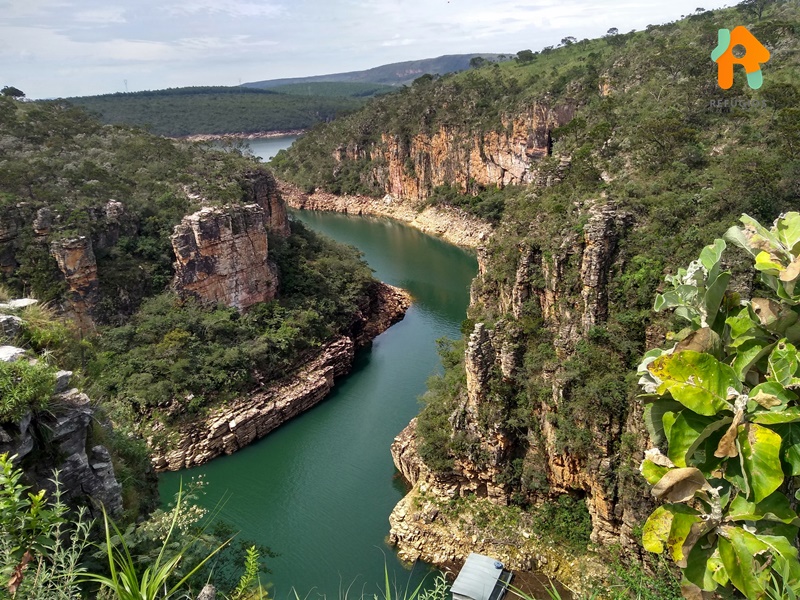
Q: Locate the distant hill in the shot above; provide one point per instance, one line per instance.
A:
(220, 110)
(392, 74)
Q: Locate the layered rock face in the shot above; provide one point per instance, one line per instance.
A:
(222, 256)
(452, 224)
(244, 420)
(262, 189)
(76, 260)
(455, 155)
(571, 305)
(85, 471)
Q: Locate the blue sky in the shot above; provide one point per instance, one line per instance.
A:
(60, 48)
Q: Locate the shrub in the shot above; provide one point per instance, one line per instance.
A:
(23, 387)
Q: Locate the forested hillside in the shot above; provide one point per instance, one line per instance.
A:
(606, 165)
(220, 110)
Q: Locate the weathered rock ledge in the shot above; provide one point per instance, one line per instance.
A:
(451, 224)
(228, 428)
(423, 529)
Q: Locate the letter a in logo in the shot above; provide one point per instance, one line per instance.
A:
(754, 55)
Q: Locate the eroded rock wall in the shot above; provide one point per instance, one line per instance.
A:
(242, 421)
(222, 256)
(569, 287)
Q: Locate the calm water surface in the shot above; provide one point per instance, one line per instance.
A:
(319, 490)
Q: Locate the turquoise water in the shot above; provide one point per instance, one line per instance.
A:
(266, 148)
(319, 490)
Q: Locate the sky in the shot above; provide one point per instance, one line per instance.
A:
(62, 48)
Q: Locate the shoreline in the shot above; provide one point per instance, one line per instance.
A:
(450, 224)
(258, 135)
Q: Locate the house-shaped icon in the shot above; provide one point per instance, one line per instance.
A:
(755, 54)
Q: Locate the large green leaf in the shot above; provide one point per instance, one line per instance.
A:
(652, 472)
(783, 363)
(774, 507)
(768, 417)
(786, 564)
(760, 459)
(738, 549)
(788, 230)
(668, 527)
(686, 432)
(790, 446)
(654, 418)
(697, 380)
(711, 255)
(767, 263)
(702, 563)
(748, 354)
(714, 295)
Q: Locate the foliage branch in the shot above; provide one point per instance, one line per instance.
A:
(722, 409)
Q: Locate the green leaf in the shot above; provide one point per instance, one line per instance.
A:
(684, 435)
(748, 354)
(669, 526)
(652, 472)
(701, 566)
(774, 507)
(786, 558)
(741, 324)
(738, 549)
(654, 418)
(714, 295)
(760, 458)
(790, 446)
(783, 363)
(787, 415)
(698, 381)
(711, 254)
(788, 230)
(773, 388)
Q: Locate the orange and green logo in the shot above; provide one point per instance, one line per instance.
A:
(753, 57)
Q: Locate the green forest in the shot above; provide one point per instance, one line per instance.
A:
(178, 112)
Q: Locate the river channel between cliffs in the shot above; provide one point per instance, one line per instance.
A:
(319, 490)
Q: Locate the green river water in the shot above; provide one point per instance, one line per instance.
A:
(319, 490)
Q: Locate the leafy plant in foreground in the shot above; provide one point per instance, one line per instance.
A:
(722, 405)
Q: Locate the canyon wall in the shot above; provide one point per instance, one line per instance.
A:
(222, 256)
(236, 424)
(568, 289)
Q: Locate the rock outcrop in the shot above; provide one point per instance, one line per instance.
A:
(222, 256)
(86, 474)
(451, 224)
(262, 189)
(77, 263)
(570, 306)
(242, 421)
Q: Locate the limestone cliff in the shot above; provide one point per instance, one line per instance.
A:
(451, 224)
(236, 424)
(567, 289)
(222, 256)
(76, 260)
(459, 156)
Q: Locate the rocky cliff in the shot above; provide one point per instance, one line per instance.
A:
(59, 438)
(226, 429)
(451, 224)
(457, 155)
(567, 290)
(222, 256)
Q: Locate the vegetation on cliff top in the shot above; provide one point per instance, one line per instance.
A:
(179, 112)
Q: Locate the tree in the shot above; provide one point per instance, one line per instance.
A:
(476, 62)
(754, 7)
(525, 56)
(12, 92)
(722, 405)
(613, 31)
(568, 41)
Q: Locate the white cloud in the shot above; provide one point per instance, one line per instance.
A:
(102, 16)
(231, 8)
